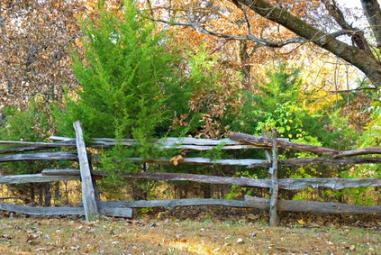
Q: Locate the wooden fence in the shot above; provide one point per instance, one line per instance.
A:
(92, 208)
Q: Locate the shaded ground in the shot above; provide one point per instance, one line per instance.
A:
(176, 236)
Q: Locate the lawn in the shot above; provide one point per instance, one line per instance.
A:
(175, 236)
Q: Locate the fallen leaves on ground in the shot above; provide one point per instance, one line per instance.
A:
(173, 236)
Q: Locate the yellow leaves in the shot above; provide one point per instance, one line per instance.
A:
(114, 6)
(78, 42)
(175, 160)
(301, 222)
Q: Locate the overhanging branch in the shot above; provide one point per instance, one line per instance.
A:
(259, 41)
(356, 56)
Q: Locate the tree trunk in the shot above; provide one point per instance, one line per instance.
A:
(47, 194)
(357, 57)
(245, 67)
(57, 193)
(40, 195)
(373, 14)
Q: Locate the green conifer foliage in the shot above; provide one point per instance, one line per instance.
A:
(127, 76)
(130, 85)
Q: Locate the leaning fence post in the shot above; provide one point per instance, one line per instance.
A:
(274, 218)
(88, 192)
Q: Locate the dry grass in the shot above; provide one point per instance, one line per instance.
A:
(173, 236)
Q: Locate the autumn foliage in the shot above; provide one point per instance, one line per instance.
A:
(182, 68)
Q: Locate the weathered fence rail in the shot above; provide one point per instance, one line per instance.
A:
(250, 163)
(289, 184)
(52, 175)
(91, 207)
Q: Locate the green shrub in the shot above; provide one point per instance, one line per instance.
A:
(130, 85)
(128, 78)
(275, 104)
(30, 124)
(34, 123)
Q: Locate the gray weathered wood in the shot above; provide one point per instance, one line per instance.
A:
(65, 211)
(46, 144)
(88, 191)
(268, 157)
(239, 141)
(240, 181)
(357, 152)
(329, 161)
(39, 156)
(250, 163)
(281, 143)
(169, 143)
(331, 183)
(23, 149)
(35, 178)
(72, 156)
(22, 146)
(252, 202)
(186, 202)
(207, 161)
(255, 163)
(96, 145)
(289, 184)
(164, 141)
(274, 217)
(42, 211)
(116, 211)
(267, 142)
(208, 147)
(123, 208)
(319, 207)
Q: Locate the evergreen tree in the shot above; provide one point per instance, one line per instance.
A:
(127, 76)
(130, 86)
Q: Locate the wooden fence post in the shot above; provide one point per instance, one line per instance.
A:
(274, 218)
(88, 192)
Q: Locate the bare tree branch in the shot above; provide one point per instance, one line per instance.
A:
(357, 35)
(248, 37)
(372, 12)
(356, 56)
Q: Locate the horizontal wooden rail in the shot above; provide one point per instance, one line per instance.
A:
(237, 141)
(35, 178)
(188, 143)
(207, 161)
(289, 184)
(267, 142)
(123, 208)
(182, 147)
(22, 146)
(172, 203)
(318, 207)
(168, 141)
(39, 156)
(108, 210)
(203, 145)
(254, 163)
(357, 152)
(281, 143)
(250, 163)
(73, 157)
(258, 203)
(329, 162)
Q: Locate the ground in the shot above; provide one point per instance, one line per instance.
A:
(184, 236)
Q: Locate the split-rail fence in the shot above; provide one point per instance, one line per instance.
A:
(91, 208)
